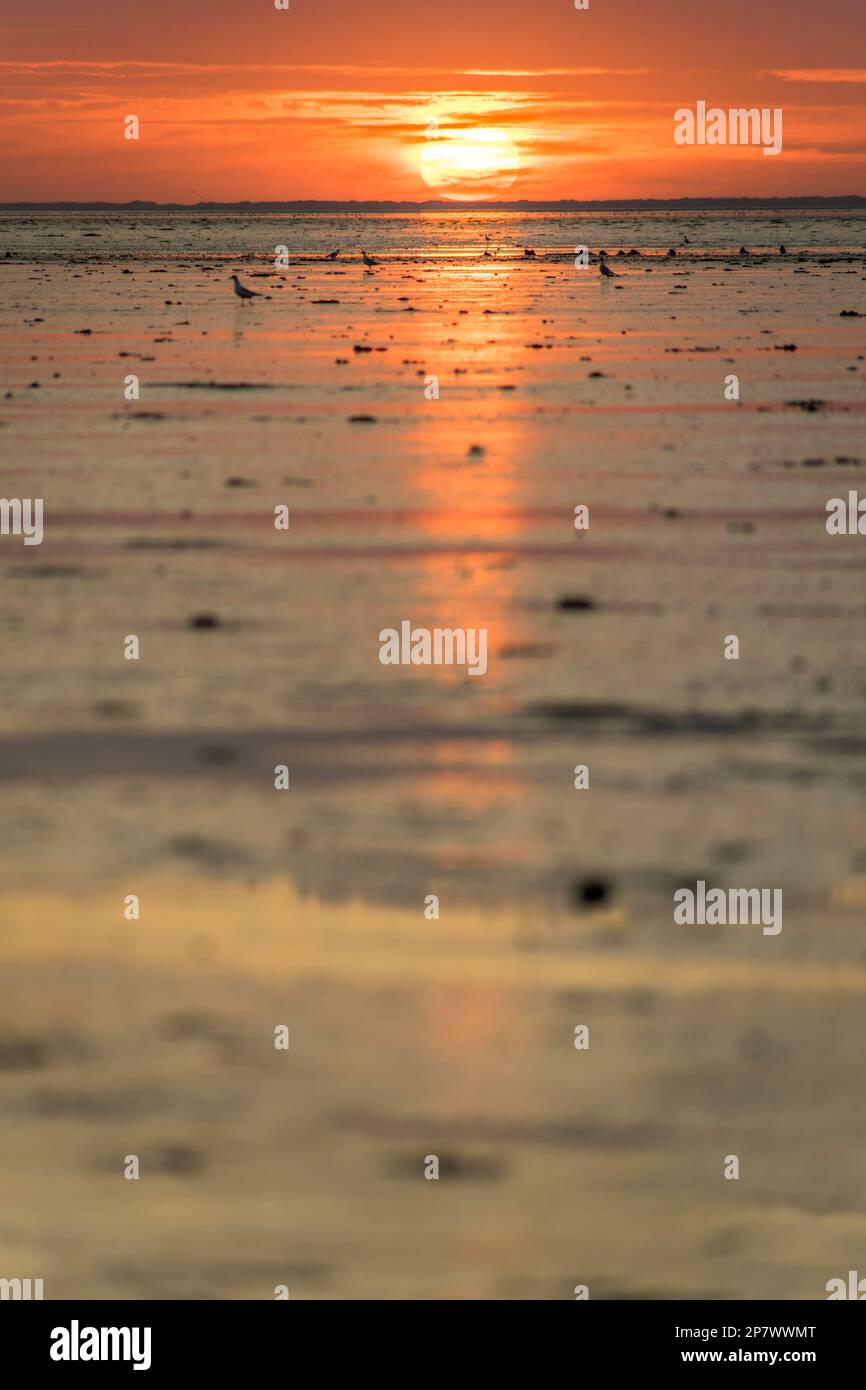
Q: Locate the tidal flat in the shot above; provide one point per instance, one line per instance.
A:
(412, 1036)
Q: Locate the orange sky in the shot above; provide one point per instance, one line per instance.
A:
(332, 98)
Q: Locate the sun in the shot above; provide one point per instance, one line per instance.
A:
(479, 163)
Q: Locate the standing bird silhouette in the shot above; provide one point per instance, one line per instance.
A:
(368, 260)
(242, 292)
(332, 255)
(606, 270)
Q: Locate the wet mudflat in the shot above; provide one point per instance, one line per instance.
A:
(259, 647)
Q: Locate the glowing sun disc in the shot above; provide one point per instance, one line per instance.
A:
(470, 163)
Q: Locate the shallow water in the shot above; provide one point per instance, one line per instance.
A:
(409, 1036)
(426, 236)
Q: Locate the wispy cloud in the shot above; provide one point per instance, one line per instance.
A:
(818, 74)
(140, 68)
(553, 72)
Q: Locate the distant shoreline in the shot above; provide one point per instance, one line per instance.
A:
(805, 203)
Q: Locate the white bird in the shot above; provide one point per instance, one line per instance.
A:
(242, 292)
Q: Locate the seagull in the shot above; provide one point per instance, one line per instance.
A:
(606, 270)
(332, 255)
(242, 292)
(368, 260)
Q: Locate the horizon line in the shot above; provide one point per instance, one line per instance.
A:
(806, 200)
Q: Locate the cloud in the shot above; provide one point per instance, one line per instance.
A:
(353, 69)
(553, 72)
(818, 74)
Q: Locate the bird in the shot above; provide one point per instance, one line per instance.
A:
(368, 260)
(783, 250)
(332, 255)
(528, 251)
(672, 252)
(242, 292)
(606, 270)
(602, 255)
(743, 251)
(686, 241)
